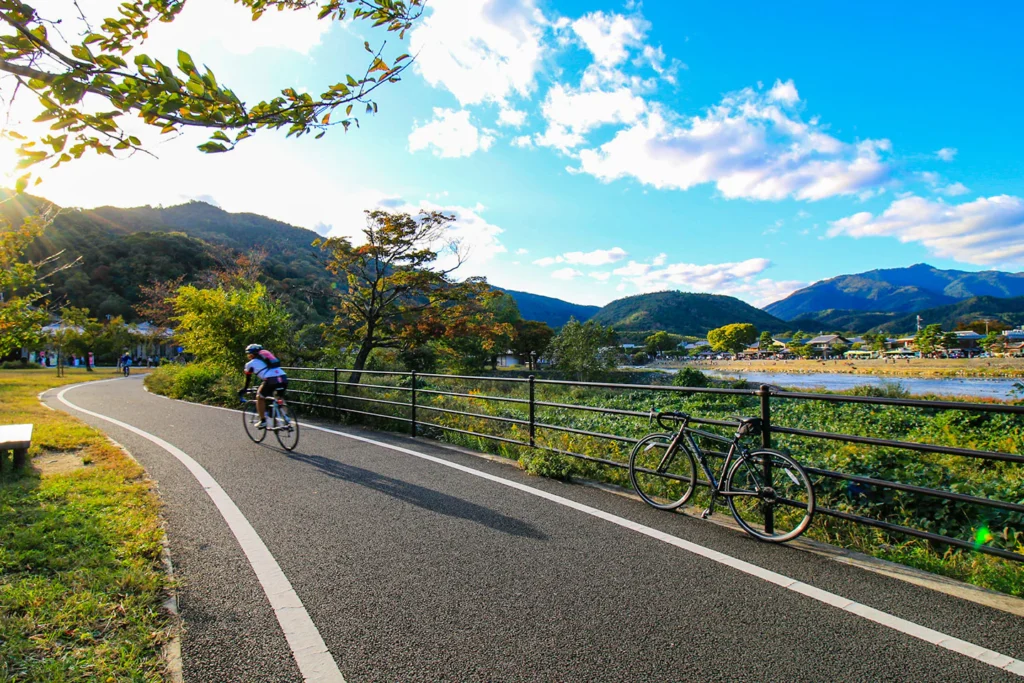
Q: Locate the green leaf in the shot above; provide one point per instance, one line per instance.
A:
(82, 52)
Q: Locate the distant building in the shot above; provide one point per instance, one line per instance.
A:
(827, 342)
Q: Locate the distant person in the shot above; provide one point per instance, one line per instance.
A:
(273, 379)
(126, 364)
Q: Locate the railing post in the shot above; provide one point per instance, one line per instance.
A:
(533, 416)
(335, 401)
(766, 442)
(412, 403)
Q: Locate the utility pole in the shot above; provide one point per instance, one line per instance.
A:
(919, 323)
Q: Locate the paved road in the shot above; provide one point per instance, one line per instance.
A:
(413, 570)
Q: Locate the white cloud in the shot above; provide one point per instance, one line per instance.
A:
(953, 190)
(732, 279)
(571, 114)
(522, 141)
(511, 117)
(609, 36)
(598, 257)
(482, 51)
(986, 231)
(600, 276)
(784, 92)
(946, 153)
(660, 259)
(748, 147)
(939, 185)
(566, 274)
(451, 134)
(520, 252)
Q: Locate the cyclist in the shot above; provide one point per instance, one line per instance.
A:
(267, 369)
(126, 363)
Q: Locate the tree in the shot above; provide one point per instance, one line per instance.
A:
(71, 324)
(85, 89)
(217, 324)
(582, 348)
(661, 342)
(394, 294)
(928, 339)
(949, 341)
(765, 342)
(994, 342)
(732, 338)
(875, 342)
(531, 340)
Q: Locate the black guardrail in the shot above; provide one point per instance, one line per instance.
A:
(414, 410)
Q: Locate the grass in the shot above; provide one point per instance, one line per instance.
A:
(81, 581)
(936, 368)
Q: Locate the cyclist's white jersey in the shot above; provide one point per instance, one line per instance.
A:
(259, 367)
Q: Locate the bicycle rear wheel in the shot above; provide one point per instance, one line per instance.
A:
(250, 419)
(286, 427)
(775, 511)
(663, 482)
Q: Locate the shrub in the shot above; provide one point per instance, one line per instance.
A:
(545, 464)
(883, 390)
(200, 382)
(690, 377)
(19, 365)
(639, 358)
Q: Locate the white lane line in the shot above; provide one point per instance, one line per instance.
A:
(308, 647)
(910, 628)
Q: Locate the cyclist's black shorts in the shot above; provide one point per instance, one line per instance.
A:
(272, 384)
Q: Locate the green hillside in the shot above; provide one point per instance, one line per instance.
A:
(554, 312)
(834, 320)
(1008, 311)
(683, 313)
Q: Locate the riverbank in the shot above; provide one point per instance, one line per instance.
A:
(933, 368)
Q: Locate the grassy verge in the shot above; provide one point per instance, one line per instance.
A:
(81, 582)
(997, 480)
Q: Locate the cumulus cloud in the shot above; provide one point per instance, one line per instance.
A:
(573, 113)
(451, 134)
(522, 141)
(748, 147)
(784, 92)
(733, 279)
(986, 231)
(946, 153)
(482, 51)
(610, 36)
(603, 277)
(598, 257)
(566, 274)
(511, 117)
(520, 252)
(940, 186)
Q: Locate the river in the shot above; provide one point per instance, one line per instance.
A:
(985, 388)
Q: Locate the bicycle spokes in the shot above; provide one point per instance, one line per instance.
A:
(773, 505)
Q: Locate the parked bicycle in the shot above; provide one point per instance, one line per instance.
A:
(768, 492)
(279, 420)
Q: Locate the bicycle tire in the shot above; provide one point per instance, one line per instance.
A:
(662, 485)
(790, 498)
(249, 420)
(285, 423)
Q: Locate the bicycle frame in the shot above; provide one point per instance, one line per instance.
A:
(691, 444)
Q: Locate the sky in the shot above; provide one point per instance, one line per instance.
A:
(595, 150)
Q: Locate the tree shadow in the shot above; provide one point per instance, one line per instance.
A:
(420, 496)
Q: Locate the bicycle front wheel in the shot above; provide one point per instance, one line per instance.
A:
(250, 419)
(664, 480)
(777, 510)
(286, 427)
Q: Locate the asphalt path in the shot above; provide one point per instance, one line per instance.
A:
(413, 570)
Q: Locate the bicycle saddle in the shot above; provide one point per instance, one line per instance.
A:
(747, 425)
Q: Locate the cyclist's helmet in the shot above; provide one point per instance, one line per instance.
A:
(253, 348)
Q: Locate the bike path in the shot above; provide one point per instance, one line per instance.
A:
(414, 571)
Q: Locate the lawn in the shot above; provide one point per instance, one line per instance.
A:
(81, 579)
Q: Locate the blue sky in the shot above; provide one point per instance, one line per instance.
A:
(601, 149)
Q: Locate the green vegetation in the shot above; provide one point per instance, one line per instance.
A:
(20, 288)
(81, 581)
(553, 312)
(732, 338)
(58, 76)
(682, 313)
(583, 349)
(999, 480)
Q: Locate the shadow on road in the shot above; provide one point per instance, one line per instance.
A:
(420, 496)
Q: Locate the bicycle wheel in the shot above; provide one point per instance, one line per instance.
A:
(664, 483)
(779, 511)
(286, 427)
(250, 419)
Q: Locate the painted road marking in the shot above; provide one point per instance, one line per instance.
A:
(308, 647)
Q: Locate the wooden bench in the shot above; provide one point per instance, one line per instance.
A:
(17, 439)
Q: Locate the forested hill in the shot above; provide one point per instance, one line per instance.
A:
(897, 290)
(554, 312)
(122, 249)
(683, 313)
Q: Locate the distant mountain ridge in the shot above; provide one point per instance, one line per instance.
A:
(554, 312)
(683, 313)
(896, 290)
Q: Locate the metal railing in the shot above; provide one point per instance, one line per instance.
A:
(414, 409)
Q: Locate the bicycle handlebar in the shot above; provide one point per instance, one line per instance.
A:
(676, 417)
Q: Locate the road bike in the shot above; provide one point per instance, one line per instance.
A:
(769, 492)
(126, 369)
(279, 420)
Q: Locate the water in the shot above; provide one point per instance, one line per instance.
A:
(984, 388)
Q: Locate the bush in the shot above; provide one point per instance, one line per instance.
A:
(19, 365)
(639, 358)
(200, 382)
(884, 390)
(690, 377)
(545, 464)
